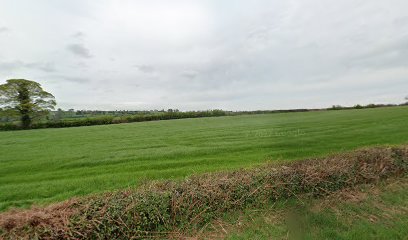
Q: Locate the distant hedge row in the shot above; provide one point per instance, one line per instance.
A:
(145, 117)
(115, 120)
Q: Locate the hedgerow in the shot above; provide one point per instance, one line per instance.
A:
(164, 207)
(105, 120)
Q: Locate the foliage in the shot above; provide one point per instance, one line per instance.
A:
(105, 120)
(27, 98)
(160, 208)
(358, 106)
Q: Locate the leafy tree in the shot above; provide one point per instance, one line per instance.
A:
(27, 98)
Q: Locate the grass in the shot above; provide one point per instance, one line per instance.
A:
(163, 208)
(369, 212)
(48, 165)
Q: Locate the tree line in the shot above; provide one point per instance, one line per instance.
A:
(104, 120)
(26, 101)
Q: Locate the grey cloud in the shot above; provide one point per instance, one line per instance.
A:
(190, 74)
(10, 66)
(46, 67)
(74, 79)
(15, 65)
(79, 50)
(78, 34)
(145, 68)
(246, 55)
(401, 21)
(82, 65)
(391, 54)
(4, 29)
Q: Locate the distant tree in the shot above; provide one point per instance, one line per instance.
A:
(358, 106)
(27, 98)
(59, 114)
(371, 105)
(336, 107)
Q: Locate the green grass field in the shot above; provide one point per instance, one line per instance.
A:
(41, 166)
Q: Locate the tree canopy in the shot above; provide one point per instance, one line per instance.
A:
(27, 98)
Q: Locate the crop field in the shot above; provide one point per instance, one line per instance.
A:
(48, 165)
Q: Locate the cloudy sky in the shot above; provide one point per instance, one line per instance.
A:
(207, 54)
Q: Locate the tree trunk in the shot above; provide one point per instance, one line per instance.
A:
(25, 119)
(25, 106)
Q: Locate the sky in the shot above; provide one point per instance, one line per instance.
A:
(208, 54)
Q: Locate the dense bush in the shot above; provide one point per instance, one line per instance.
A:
(9, 127)
(160, 208)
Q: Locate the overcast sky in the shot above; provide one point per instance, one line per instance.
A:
(207, 54)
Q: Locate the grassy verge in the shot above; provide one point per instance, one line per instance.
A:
(162, 209)
(50, 165)
(369, 211)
